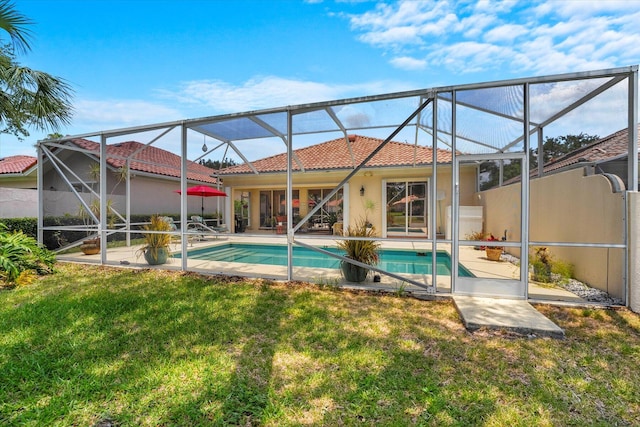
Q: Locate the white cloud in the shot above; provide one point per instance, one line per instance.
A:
(543, 37)
(408, 63)
(121, 112)
(504, 33)
(590, 8)
(469, 57)
(217, 97)
(474, 26)
(404, 35)
(495, 6)
(127, 111)
(406, 24)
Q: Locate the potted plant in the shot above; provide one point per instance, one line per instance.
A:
(476, 236)
(156, 245)
(493, 252)
(364, 251)
(91, 245)
(332, 218)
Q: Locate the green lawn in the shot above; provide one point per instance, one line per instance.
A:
(103, 346)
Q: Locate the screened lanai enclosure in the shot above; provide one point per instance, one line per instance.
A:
(438, 176)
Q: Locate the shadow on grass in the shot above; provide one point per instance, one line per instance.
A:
(123, 351)
(158, 348)
(357, 366)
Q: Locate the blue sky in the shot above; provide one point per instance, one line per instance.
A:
(138, 62)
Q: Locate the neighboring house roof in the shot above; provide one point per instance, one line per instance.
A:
(338, 154)
(149, 159)
(604, 150)
(17, 164)
(607, 148)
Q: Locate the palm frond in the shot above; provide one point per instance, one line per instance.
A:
(16, 25)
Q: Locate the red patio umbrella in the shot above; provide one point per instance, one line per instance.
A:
(411, 198)
(203, 191)
(296, 202)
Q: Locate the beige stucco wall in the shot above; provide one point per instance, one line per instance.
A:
(28, 182)
(371, 179)
(568, 207)
(633, 201)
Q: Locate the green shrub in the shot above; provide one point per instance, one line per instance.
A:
(21, 258)
(541, 271)
(28, 226)
(563, 269)
(545, 269)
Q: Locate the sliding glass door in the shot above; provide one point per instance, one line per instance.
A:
(407, 208)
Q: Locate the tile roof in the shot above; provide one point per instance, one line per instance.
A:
(336, 154)
(17, 164)
(604, 149)
(609, 147)
(150, 159)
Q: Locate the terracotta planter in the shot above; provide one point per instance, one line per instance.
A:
(90, 246)
(493, 254)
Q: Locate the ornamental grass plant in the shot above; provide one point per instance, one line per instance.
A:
(365, 251)
(155, 242)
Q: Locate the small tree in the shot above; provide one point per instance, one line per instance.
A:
(554, 147)
(27, 97)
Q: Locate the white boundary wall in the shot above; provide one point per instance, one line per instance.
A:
(18, 203)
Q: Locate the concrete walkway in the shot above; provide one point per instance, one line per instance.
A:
(507, 314)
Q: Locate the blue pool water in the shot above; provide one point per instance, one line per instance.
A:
(392, 260)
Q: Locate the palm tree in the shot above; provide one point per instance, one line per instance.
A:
(27, 97)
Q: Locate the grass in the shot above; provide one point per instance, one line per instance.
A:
(102, 346)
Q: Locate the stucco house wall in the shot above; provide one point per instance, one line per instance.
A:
(150, 192)
(371, 179)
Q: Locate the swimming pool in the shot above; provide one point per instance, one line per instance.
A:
(392, 260)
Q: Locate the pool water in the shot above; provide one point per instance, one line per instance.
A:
(392, 260)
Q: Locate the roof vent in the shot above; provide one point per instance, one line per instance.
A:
(352, 138)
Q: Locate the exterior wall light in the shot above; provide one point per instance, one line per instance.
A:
(362, 190)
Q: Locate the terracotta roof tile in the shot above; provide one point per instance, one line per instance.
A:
(150, 159)
(336, 154)
(609, 147)
(16, 164)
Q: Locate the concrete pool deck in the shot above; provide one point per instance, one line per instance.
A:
(475, 312)
(473, 260)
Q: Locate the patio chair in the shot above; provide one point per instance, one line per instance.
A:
(173, 227)
(197, 224)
